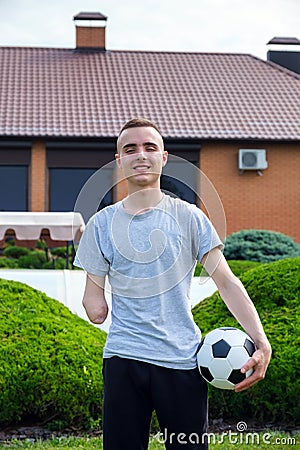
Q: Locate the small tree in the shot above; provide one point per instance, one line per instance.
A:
(260, 245)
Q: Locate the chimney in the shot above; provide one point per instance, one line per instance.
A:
(285, 58)
(90, 31)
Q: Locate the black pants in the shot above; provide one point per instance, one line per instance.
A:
(133, 389)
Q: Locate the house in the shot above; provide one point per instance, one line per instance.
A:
(235, 117)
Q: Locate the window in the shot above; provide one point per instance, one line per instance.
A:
(179, 179)
(66, 185)
(74, 165)
(13, 188)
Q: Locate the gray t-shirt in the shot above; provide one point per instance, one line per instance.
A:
(149, 259)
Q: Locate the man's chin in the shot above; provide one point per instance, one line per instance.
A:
(143, 179)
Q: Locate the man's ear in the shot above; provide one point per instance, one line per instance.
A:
(117, 158)
(165, 158)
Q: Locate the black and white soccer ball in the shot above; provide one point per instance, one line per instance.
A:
(222, 354)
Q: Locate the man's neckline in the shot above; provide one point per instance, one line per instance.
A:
(142, 211)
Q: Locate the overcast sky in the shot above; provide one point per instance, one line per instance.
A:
(234, 26)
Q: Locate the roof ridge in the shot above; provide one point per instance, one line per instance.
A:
(31, 47)
(182, 52)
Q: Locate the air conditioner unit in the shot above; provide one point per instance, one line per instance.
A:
(252, 159)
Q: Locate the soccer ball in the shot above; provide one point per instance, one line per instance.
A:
(222, 354)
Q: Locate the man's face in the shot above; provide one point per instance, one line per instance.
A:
(141, 156)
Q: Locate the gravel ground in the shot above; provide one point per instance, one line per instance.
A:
(35, 432)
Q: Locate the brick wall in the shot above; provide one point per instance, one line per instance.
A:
(38, 177)
(270, 201)
(90, 37)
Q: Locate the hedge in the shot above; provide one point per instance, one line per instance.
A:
(274, 289)
(24, 258)
(240, 267)
(8, 263)
(260, 245)
(237, 267)
(15, 252)
(50, 360)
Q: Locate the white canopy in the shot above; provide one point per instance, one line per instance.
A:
(62, 226)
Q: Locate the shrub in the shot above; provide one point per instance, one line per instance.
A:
(260, 245)
(274, 289)
(199, 270)
(8, 263)
(34, 260)
(40, 258)
(61, 251)
(50, 360)
(15, 252)
(237, 267)
(240, 267)
(57, 263)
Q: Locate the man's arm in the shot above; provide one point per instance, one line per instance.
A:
(94, 299)
(240, 305)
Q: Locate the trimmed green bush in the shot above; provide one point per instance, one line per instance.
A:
(61, 251)
(8, 263)
(34, 260)
(240, 267)
(15, 252)
(260, 245)
(199, 270)
(237, 267)
(58, 263)
(274, 289)
(40, 258)
(50, 360)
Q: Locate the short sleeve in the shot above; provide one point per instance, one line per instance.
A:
(89, 255)
(207, 236)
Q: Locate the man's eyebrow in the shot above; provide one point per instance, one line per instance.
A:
(151, 143)
(129, 145)
(134, 145)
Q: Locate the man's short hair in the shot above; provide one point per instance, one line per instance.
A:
(139, 122)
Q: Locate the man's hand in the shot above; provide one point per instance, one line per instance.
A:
(258, 362)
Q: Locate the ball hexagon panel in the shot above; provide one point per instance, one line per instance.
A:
(222, 384)
(234, 337)
(237, 357)
(220, 368)
(214, 336)
(205, 355)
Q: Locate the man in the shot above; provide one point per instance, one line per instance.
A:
(148, 245)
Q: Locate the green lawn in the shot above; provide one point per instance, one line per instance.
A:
(235, 441)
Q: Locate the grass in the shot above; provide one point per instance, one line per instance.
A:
(234, 441)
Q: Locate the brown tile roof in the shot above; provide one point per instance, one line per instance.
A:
(66, 93)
